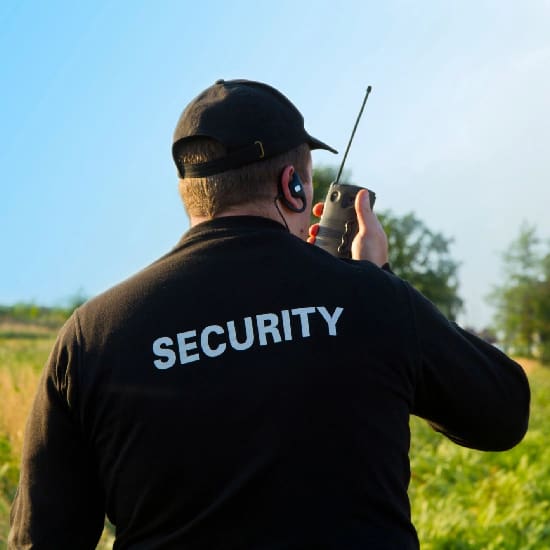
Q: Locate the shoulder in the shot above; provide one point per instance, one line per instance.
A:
(362, 280)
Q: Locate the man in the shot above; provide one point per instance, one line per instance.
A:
(248, 390)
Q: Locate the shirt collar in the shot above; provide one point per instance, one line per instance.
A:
(226, 224)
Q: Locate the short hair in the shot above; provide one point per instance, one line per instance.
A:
(250, 184)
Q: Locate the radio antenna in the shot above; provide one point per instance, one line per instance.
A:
(369, 88)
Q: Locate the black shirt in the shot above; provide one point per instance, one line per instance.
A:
(250, 391)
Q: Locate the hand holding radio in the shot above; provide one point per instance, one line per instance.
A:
(371, 242)
(368, 240)
(339, 222)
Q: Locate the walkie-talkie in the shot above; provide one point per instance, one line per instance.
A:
(338, 225)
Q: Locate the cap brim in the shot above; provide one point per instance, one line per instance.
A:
(315, 143)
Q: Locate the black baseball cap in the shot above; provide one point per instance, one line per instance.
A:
(251, 119)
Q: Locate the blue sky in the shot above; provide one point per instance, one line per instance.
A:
(457, 128)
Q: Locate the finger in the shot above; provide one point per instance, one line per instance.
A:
(362, 209)
(318, 209)
(313, 230)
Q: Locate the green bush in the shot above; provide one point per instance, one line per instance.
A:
(465, 499)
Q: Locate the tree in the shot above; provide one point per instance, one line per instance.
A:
(522, 302)
(543, 310)
(417, 254)
(422, 257)
(76, 300)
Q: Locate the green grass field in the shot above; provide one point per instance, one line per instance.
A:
(461, 499)
(464, 499)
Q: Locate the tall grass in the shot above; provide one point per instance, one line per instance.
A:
(17, 390)
(461, 499)
(464, 499)
(23, 352)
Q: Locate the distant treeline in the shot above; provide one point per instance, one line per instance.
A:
(34, 314)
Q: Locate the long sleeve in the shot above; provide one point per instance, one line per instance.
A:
(59, 502)
(466, 388)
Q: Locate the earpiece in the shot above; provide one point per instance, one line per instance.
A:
(296, 189)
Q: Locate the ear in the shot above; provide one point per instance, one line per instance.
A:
(291, 190)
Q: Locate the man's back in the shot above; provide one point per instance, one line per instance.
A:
(285, 430)
(250, 391)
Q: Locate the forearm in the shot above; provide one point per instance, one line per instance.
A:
(466, 388)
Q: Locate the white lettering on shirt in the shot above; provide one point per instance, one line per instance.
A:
(267, 324)
(185, 346)
(265, 329)
(160, 351)
(287, 329)
(331, 319)
(249, 332)
(303, 312)
(205, 344)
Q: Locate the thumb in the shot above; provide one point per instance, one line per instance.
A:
(362, 209)
(318, 209)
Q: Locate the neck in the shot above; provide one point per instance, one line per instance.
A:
(247, 210)
(296, 224)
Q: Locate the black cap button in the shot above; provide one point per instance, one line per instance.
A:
(219, 81)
